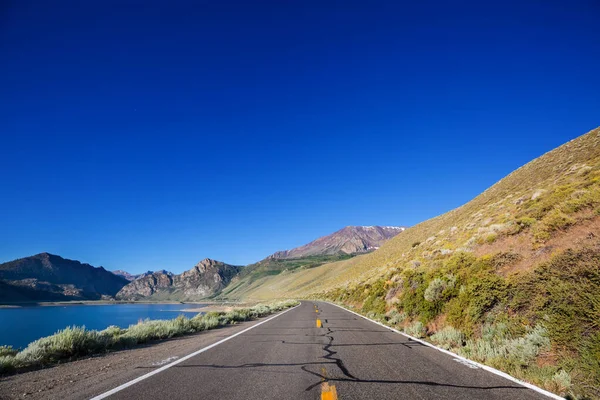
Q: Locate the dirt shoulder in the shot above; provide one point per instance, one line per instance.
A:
(85, 378)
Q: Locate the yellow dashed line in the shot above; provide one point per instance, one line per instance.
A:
(319, 324)
(328, 391)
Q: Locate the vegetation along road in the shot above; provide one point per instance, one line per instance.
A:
(318, 350)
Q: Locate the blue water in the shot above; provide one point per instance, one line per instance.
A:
(20, 326)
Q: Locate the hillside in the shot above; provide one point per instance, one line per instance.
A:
(207, 278)
(511, 279)
(47, 277)
(341, 245)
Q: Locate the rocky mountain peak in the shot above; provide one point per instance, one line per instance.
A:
(348, 240)
(206, 278)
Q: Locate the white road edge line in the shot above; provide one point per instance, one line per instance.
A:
(156, 371)
(484, 367)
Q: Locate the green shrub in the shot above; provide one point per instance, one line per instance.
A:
(412, 300)
(541, 235)
(590, 361)
(457, 312)
(556, 220)
(484, 292)
(522, 224)
(581, 200)
(502, 259)
(375, 301)
(491, 238)
(565, 293)
(460, 261)
(540, 207)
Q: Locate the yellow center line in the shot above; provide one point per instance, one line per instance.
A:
(319, 324)
(328, 391)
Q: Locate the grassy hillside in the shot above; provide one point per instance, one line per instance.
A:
(511, 279)
(255, 275)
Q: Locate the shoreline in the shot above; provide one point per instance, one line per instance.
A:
(112, 302)
(98, 342)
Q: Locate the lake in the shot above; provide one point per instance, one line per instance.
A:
(22, 325)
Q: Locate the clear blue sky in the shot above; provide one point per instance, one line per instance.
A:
(154, 134)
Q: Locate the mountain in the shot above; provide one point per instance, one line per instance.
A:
(510, 279)
(125, 274)
(48, 277)
(128, 276)
(349, 240)
(341, 245)
(207, 278)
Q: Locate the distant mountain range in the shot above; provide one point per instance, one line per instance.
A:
(349, 240)
(47, 277)
(127, 275)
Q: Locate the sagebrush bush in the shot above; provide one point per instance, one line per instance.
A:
(481, 350)
(524, 350)
(395, 317)
(496, 342)
(448, 338)
(435, 289)
(416, 329)
(67, 343)
(7, 351)
(8, 364)
(438, 286)
(562, 379)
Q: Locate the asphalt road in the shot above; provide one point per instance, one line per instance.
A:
(348, 357)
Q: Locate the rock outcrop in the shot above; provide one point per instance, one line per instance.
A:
(207, 278)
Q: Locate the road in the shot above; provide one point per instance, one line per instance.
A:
(347, 357)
